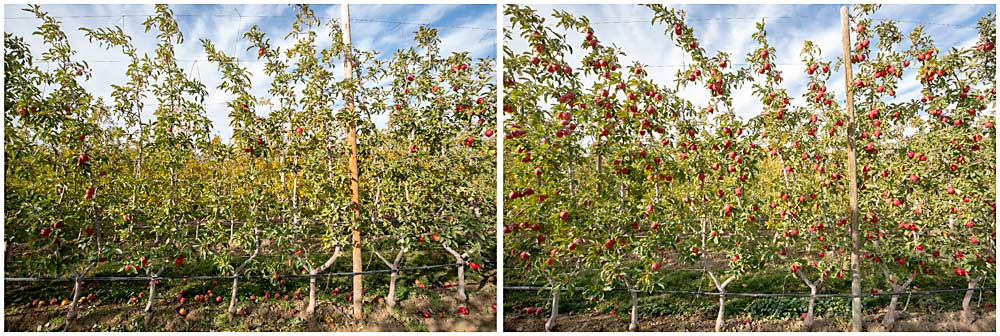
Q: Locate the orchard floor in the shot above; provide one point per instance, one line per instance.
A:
(915, 322)
(271, 315)
(589, 307)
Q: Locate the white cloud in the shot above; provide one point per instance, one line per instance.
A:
(729, 28)
(225, 26)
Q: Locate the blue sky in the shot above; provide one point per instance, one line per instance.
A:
(385, 28)
(729, 28)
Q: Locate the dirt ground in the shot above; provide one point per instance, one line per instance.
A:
(270, 316)
(916, 322)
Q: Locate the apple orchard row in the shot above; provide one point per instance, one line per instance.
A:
(607, 168)
(93, 184)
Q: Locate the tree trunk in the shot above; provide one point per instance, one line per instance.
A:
(550, 325)
(633, 324)
(72, 308)
(807, 323)
(889, 321)
(390, 299)
(721, 318)
(236, 277)
(312, 280)
(890, 315)
(459, 259)
(968, 316)
(232, 298)
(312, 293)
(152, 294)
(810, 317)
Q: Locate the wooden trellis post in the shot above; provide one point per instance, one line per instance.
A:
(352, 139)
(857, 317)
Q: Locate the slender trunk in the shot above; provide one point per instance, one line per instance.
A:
(152, 294)
(232, 298)
(281, 159)
(968, 316)
(889, 320)
(721, 318)
(390, 299)
(152, 290)
(810, 317)
(236, 278)
(890, 315)
(173, 197)
(312, 294)
(295, 191)
(550, 325)
(459, 259)
(461, 284)
(633, 324)
(393, 278)
(807, 323)
(71, 316)
(312, 280)
(76, 298)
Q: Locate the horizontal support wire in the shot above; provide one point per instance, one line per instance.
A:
(376, 20)
(922, 292)
(735, 18)
(362, 20)
(215, 277)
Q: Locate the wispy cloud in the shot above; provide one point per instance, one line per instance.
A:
(384, 28)
(729, 28)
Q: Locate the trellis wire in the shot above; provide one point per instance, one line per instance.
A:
(216, 277)
(365, 20)
(804, 295)
(786, 17)
(378, 20)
